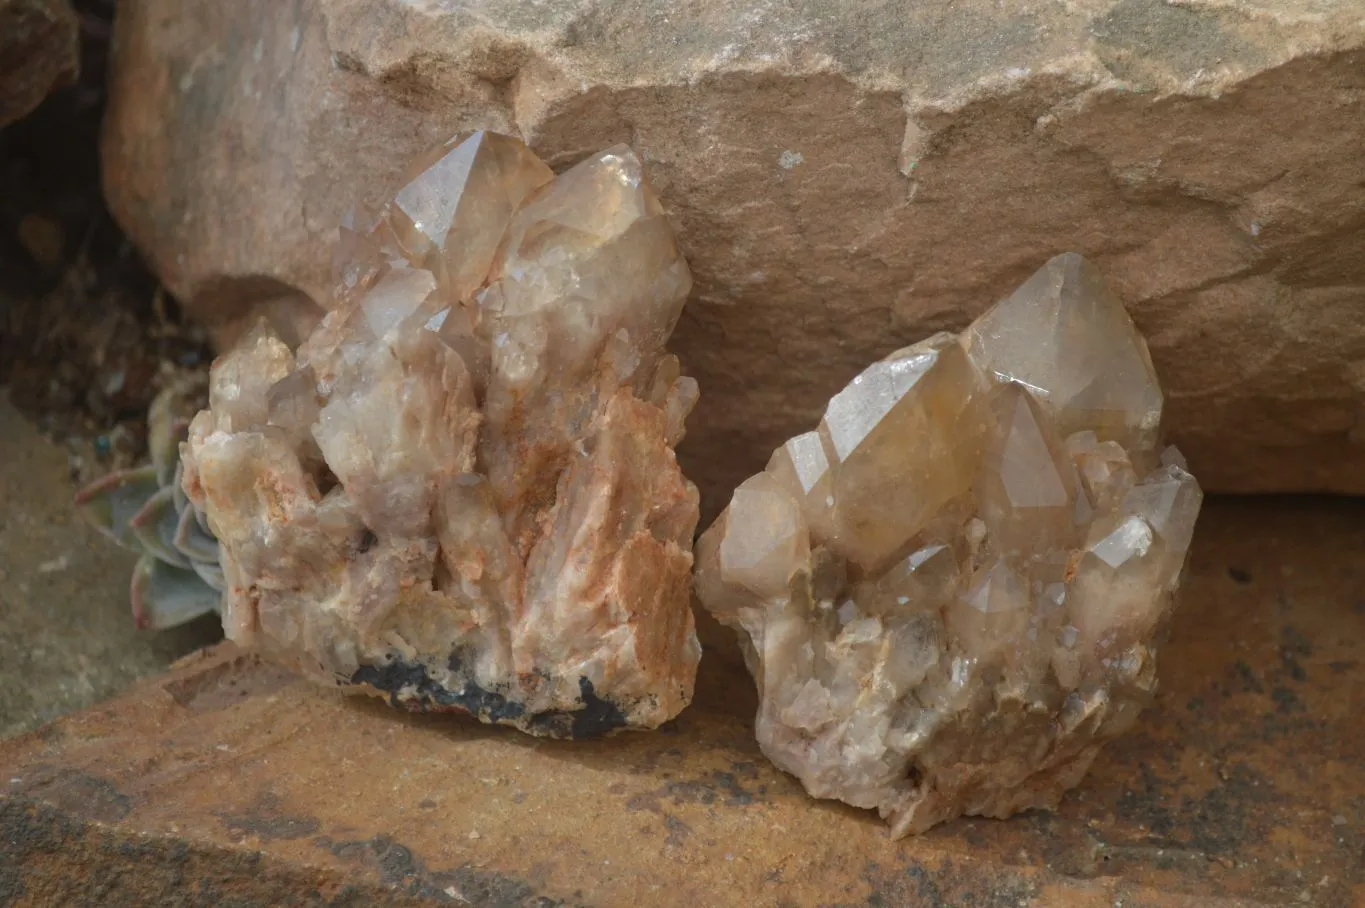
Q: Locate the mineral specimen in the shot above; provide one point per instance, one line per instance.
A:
(461, 490)
(950, 594)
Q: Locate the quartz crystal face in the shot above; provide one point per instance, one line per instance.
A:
(461, 490)
(950, 594)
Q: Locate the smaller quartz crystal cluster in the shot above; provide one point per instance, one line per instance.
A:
(461, 490)
(950, 593)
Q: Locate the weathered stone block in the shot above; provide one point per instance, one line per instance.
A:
(845, 179)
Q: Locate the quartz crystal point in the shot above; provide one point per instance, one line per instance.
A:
(951, 592)
(461, 491)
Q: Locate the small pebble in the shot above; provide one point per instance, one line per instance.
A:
(56, 564)
(43, 239)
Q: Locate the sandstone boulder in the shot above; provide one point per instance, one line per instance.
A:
(845, 178)
(39, 51)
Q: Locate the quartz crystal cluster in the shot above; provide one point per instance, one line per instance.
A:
(460, 490)
(950, 593)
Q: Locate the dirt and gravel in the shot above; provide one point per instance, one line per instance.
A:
(87, 337)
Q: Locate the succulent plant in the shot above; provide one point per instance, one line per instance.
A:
(178, 577)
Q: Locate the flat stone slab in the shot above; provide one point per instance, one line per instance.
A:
(228, 782)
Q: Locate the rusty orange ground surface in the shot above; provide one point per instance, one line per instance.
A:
(228, 783)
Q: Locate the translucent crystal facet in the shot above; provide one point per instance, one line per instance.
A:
(950, 593)
(460, 491)
(904, 438)
(752, 554)
(450, 216)
(1027, 490)
(587, 280)
(1065, 337)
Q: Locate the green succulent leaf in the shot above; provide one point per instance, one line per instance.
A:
(165, 596)
(210, 573)
(178, 577)
(155, 527)
(109, 504)
(166, 428)
(182, 501)
(191, 540)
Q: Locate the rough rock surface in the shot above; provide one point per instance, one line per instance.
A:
(39, 52)
(65, 640)
(846, 178)
(461, 491)
(950, 593)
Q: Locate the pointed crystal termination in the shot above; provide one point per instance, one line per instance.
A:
(951, 593)
(461, 491)
(1066, 338)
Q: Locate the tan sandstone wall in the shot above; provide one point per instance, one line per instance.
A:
(845, 177)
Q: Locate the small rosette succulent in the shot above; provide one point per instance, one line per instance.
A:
(143, 509)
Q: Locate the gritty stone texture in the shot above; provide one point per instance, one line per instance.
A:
(846, 178)
(65, 638)
(951, 592)
(39, 52)
(461, 492)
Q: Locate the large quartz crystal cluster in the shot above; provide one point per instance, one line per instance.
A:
(461, 490)
(950, 593)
